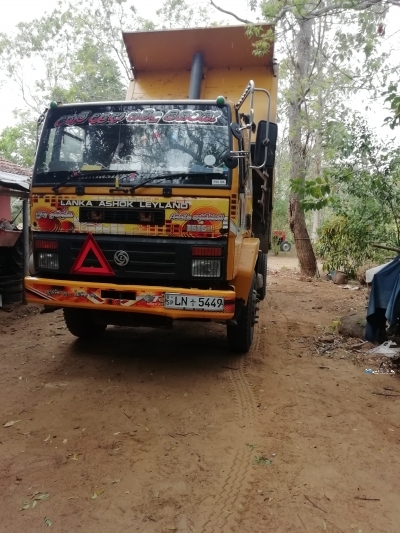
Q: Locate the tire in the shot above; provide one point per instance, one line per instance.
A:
(240, 337)
(262, 269)
(81, 323)
(16, 259)
(12, 259)
(11, 289)
(285, 246)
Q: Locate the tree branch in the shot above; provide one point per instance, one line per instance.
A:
(232, 14)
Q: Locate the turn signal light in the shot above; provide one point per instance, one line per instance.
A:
(206, 251)
(45, 245)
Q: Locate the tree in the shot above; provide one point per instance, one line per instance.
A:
(103, 22)
(95, 76)
(362, 186)
(79, 56)
(178, 14)
(18, 142)
(298, 19)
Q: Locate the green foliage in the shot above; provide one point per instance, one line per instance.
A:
(393, 98)
(344, 240)
(365, 199)
(265, 39)
(102, 21)
(95, 76)
(314, 193)
(16, 210)
(18, 142)
(181, 14)
(77, 60)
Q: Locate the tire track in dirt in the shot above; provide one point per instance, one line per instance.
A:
(238, 476)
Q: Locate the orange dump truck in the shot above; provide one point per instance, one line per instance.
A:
(158, 208)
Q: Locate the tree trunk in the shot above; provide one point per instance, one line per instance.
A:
(297, 222)
(304, 249)
(315, 226)
(318, 142)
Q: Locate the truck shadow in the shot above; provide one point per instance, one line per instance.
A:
(189, 348)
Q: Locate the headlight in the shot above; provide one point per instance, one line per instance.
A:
(206, 268)
(47, 261)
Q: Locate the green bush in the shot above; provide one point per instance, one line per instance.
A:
(345, 242)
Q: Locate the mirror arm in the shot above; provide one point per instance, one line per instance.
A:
(239, 154)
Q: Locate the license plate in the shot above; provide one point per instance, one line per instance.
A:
(195, 303)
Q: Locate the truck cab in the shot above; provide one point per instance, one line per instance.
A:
(158, 208)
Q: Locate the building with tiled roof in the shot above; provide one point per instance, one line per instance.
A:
(10, 184)
(13, 168)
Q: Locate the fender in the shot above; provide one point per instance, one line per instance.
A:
(247, 265)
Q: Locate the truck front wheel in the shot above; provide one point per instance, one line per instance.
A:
(81, 323)
(262, 270)
(240, 337)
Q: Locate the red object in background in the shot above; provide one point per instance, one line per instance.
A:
(279, 235)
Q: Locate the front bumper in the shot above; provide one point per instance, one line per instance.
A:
(143, 299)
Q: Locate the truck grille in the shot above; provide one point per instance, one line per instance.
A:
(146, 259)
(152, 260)
(149, 217)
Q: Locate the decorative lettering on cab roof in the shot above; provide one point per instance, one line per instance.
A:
(141, 116)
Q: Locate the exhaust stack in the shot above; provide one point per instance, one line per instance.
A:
(196, 76)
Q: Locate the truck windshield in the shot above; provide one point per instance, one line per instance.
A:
(135, 141)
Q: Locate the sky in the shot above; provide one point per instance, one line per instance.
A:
(26, 10)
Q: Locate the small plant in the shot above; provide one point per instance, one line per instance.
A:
(260, 460)
(275, 247)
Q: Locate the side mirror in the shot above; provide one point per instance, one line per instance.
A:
(260, 149)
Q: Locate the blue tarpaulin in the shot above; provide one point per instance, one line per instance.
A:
(384, 301)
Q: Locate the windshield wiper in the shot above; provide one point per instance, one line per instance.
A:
(88, 173)
(165, 177)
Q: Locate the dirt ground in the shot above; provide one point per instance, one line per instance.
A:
(155, 431)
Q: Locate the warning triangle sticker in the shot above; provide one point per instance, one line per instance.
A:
(91, 247)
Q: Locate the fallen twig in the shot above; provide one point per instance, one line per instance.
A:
(384, 394)
(183, 434)
(314, 504)
(301, 521)
(230, 367)
(289, 405)
(324, 350)
(356, 346)
(367, 499)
